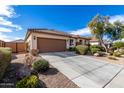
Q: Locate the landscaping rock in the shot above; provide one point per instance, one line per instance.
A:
(122, 55)
(115, 50)
(22, 72)
(96, 54)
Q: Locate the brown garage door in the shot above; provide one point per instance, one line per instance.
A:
(51, 45)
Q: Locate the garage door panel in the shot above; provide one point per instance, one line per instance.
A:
(51, 45)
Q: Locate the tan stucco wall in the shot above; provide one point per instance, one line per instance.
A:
(43, 35)
(30, 42)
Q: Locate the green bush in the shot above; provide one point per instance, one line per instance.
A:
(41, 65)
(71, 49)
(28, 82)
(5, 58)
(5, 49)
(117, 54)
(81, 49)
(119, 44)
(95, 50)
(98, 46)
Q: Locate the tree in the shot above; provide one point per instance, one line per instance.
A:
(101, 27)
(97, 27)
(110, 32)
(119, 28)
(115, 31)
(122, 32)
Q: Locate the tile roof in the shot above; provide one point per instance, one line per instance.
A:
(52, 31)
(94, 39)
(49, 31)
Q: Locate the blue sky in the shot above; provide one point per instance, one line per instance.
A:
(15, 20)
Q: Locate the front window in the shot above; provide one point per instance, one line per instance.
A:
(71, 42)
(80, 41)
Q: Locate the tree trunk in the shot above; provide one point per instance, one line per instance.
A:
(106, 49)
(102, 43)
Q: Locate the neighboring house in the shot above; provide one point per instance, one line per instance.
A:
(2, 43)
(94, 41)
(46, 40)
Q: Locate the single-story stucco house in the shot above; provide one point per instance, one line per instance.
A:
(2, 43)
(94, 41)
(46, 40)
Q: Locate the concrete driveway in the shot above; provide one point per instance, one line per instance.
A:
(85, 71)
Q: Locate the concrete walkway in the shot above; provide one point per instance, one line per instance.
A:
(86, 72)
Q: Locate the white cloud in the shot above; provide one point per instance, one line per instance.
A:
(4, 37)
(116, 17)
(7, 11)
(5, 22)
(3, 29)
(7, 38)
(83, 31)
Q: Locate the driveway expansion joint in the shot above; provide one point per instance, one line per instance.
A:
(113, 77)
(89, 71)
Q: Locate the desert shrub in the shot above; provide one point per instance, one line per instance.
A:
(112, 57)
(29, 59)
(98, 46)
(71, 49)
(81, 49)
(41, 65)
(119, 44)
(5, 58)
(6, 48)
(34, 52)
(96, 49)
(28, 82)
(117, 54)
(121, 50)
